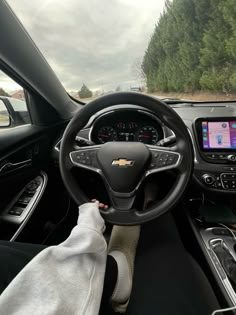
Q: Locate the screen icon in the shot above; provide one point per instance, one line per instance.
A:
(219, 139)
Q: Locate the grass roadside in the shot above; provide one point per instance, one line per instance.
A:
(198, 96)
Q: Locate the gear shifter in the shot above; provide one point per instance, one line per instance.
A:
(227, 261)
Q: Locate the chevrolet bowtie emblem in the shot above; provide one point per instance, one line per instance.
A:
(122, 163)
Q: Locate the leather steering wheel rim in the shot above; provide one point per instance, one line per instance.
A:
(121, 211)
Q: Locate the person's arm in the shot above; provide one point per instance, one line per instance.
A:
(63, 279)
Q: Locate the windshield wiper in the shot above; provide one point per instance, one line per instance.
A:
(170, 100)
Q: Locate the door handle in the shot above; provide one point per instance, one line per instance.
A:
(14, 166)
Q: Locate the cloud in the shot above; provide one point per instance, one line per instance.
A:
(7, 83)
(90, 41)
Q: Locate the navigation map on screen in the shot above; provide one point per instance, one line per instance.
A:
(219, 135)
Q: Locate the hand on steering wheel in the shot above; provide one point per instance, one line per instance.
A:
(100, 204)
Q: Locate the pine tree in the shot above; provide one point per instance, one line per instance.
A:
(85, 92)
(193, 47)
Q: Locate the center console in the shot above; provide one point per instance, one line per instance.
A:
(216, 144)
(211, 211)
(213, 224)
(219, 244)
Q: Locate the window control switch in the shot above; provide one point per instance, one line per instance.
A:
(24, 199)
(29, 193)
(16, 211)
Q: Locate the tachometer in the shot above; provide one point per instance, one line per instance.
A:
(147, 134)
(106, 134)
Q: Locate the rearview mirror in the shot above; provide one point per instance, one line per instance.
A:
(4, 115)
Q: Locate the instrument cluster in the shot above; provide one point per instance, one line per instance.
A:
(127, 125)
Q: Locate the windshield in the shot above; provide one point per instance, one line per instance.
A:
(181, 49)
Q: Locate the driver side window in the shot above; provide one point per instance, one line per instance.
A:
(13, 107)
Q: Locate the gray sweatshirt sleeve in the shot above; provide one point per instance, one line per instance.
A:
(63, 279)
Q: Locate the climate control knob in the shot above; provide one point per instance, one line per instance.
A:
(231, 157)
(208, 179)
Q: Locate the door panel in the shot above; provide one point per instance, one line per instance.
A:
(24, 159)
(26, 155)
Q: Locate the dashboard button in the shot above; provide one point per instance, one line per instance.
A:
(222, 156)
(228, 176)
(212, 156)
(152, 165)
(229, 181)
(231, 157)
(218, 185)
(229, 168)
(208, 179)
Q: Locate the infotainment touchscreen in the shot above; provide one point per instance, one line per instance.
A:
(219, 134)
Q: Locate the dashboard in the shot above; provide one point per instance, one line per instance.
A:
(212, 128)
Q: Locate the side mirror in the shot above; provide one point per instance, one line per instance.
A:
(4, 115)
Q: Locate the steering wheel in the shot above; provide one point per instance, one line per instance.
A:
(124, 165)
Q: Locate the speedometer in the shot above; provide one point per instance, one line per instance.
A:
(106, 134)
(147, 135)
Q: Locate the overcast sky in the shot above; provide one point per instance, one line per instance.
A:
(96, 42)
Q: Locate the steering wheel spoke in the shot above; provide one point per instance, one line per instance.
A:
(122, 202)
(163, 159)
(86, 157)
